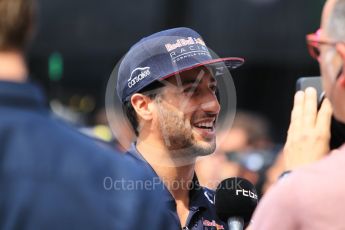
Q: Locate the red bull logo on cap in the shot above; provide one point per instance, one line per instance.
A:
(186, 47)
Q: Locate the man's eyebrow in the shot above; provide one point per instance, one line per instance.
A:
(188, 81)
(193, 81)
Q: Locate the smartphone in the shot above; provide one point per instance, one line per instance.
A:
(304, 82)
(337, 128)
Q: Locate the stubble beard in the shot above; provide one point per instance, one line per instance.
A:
(178, 136)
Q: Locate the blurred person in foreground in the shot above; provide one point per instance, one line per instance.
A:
(168, 88)
(311, 197)
(51, 176)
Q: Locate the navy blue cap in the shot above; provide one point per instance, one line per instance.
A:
(162, 55)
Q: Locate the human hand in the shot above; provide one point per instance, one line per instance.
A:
(309, 132)
(249, 228)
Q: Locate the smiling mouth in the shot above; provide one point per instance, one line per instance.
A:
(205, 128)
(205, 125)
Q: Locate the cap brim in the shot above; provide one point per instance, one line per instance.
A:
(230, 62)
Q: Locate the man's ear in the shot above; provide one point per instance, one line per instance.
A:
(341, 51)
(141, 105)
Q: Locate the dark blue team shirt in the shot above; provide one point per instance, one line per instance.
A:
(202, 214)
(53, 177)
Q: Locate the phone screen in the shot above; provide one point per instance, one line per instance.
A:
(304, 82)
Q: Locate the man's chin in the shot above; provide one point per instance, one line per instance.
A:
(204, 148)
(187, 155)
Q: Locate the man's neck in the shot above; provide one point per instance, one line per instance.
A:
(176, 176)
(12, 67)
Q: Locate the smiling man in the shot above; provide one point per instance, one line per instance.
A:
(168, 89)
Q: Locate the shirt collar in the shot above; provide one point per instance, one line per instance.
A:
(133, 151)
(21, 94)
(198, 195)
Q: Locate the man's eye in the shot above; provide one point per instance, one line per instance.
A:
(213, 88)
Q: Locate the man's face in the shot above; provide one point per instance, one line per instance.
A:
(330, 63)
(187, 111)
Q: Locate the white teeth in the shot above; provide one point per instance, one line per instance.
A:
(205, 125)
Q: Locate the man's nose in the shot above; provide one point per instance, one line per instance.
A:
(210, 103)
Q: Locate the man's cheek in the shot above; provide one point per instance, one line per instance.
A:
(329, 66)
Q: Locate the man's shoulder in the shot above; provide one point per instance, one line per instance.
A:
(49, 145)
(301, 191)
(70, 168)
(329, 167)
(309, 182)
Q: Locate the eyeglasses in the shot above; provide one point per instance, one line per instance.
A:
(314, 43)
